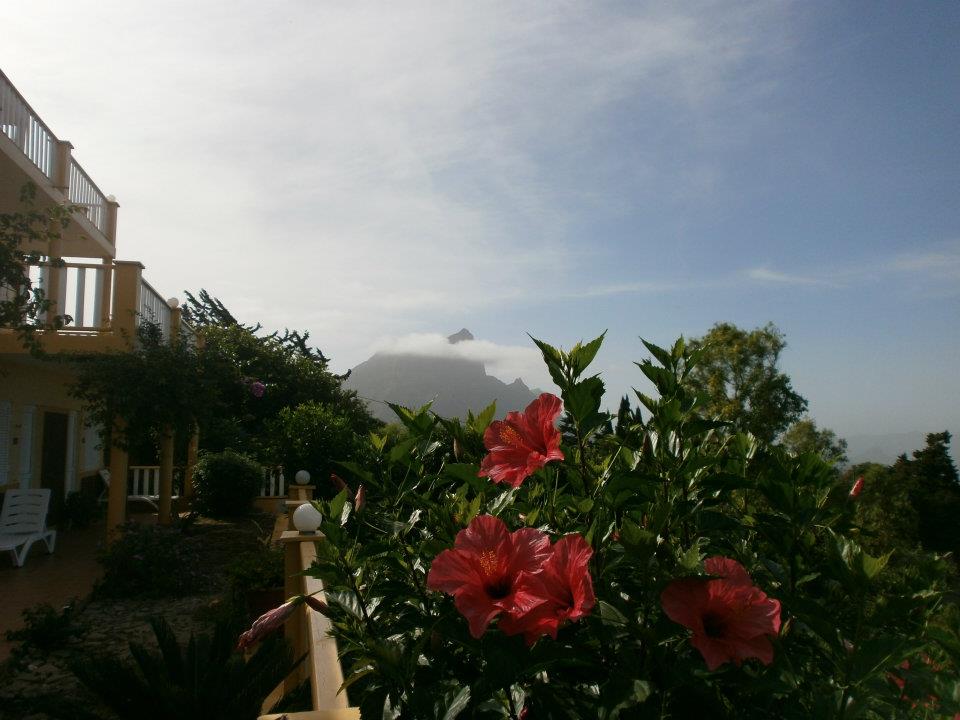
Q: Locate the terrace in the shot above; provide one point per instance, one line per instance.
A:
(105, 298)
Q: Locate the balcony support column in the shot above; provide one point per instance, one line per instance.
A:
(166, 476)
(56, 281)
(117, 498)
(126, 297)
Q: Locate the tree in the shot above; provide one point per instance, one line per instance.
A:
(260, 375)
(738, 371)
(804, 436)
(935, 493)
(23, 305)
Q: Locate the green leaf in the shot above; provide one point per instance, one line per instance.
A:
(581, 356)
(454, 704)
(609, 615)
(554, 360)
(873, 565)
(583, 399)
(659, 353)
(481, 421)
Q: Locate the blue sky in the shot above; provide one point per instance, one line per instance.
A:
(378, 170)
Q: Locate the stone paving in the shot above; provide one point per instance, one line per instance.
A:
(104, 626)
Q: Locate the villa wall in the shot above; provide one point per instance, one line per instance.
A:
(32, 393)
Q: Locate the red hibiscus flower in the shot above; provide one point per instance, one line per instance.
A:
(483, 570)
(731, 619)
(523, 442)
(564, 584)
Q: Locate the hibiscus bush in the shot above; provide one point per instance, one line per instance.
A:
(545, 566)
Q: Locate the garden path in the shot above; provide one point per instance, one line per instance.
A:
(69, 572)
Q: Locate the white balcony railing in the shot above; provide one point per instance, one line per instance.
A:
(28, 132)
(83, 292)
(84, 193)
(153, 308)
(23, 126)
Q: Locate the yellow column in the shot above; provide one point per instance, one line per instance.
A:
(166, 476)
(126, 297)
(54, 275)
(117, 503)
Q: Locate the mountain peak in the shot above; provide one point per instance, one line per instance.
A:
(464, 334)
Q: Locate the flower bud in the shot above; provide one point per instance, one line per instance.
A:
(317, 604)
(266, 624)
(360, 499)
(337, 482)
(857, 488)
(457, 450)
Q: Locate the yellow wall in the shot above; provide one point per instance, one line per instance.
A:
(34, 387)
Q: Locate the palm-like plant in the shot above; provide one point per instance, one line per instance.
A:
(207, 680)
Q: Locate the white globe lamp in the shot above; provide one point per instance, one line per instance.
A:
(302, 477)
(307, 519)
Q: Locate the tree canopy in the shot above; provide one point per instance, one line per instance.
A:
(738, 370)
(804, 436)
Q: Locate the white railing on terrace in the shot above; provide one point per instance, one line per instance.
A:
(24, 127)
(274, 483)
(153, 308)
(145, 480)
(83, 191)
(84, 292)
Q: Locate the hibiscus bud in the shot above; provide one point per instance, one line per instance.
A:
(360, 499)
(337, 482)
(857, 488)
(317, 604)
(266, 624)
(457, 450)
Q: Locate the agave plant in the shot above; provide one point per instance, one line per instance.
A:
(208, 679)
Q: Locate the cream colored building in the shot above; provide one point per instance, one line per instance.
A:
(44, 440)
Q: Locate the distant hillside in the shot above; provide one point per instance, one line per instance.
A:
(885, 449)
(455, 385)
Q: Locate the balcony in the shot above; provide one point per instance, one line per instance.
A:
(30, 152)
(105, 301)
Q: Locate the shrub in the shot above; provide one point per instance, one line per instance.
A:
(150, 561)
(226, 483)
(206, 679)
(675, 569)
(45, 628)
(311, 437)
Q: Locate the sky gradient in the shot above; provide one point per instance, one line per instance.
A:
(379, 172)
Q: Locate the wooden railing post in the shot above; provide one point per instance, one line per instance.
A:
(101, 314)
(308, 631)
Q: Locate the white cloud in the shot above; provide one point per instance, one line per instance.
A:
(506, 362)
(767, 275)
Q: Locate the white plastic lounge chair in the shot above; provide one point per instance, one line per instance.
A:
(24, 521)
(150, 500)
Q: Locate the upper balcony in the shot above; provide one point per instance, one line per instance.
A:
(30, 152)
